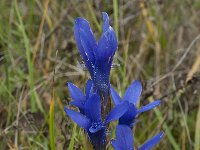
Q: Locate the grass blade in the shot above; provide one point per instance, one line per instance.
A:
(166, 129)
(51, 125)
(71, 144)
(197, 130)
(115, 8)
(34, 97)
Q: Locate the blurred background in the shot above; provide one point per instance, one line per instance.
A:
(159, 43)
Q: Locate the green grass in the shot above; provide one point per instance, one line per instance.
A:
(152, 36)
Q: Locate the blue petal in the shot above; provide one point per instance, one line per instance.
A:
(124, 138)
(152, 142)
(93, 108)
(133, 92)
(80, 119)
(149, 106)
(89, 88)
(77, 95)
(88, 44)
(106, 22)
(85, 41)
(107, 46)
(117, 112)
(115, 97)
(129, 117)
(115, 145)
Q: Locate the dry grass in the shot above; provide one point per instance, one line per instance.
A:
(158, 44)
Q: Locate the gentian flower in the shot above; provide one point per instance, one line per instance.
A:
(94, 113)
(78, 97)
(92, 122)
(124, 139)
(97, 56)
(132, 95)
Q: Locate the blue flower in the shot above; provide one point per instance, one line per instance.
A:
(132, 95)
(124, 139)
(78, 97)
(92, 121)
(97, 56)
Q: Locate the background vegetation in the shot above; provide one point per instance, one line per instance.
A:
(159, 43)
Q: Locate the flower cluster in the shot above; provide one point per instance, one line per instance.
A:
(92, 103)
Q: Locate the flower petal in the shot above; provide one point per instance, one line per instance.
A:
(89, 88)
(93, 108)
(133, 92)
(76, 93)
(106, 22)
(117, 112)
(85, 41)
(124, 138)
(129, 117)
(115, 97)
(115, 145)
(88, 43)
(77, 117)
(152, 142)
(149, 106)
(107, 46)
